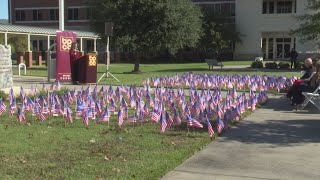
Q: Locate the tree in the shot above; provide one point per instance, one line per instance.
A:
(309, 28)
(219, 32)
(18, 42)
(149, 25)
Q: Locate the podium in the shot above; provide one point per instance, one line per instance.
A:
(87, 72)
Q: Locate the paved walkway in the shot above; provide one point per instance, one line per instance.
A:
(272, 143)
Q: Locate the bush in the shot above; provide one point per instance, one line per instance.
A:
(257, 64)
(271, 65)
(3, 95)
(284, 65)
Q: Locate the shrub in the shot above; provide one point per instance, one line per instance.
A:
(284, 65)
(3, 95)
(257, 64)
(271, 65)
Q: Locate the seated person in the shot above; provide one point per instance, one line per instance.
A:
(297, 97)
(309, 72)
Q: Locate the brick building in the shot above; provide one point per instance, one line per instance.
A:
(45, 13)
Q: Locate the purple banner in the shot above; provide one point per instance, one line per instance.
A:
(64, 41)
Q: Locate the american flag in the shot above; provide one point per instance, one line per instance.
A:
(210, 129)
(155, 116)
(163, 123)
(105, 115)
(58, 86)
(176, 118)
(169, 120)
(98, 107)
(51, 87)
(20, 116)
(120, 118)
(41, 116)
(86, 118)
(44, 88)
(2, 107)
(220, 125)
(68, 116)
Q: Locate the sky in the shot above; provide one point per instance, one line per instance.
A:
(3, 9)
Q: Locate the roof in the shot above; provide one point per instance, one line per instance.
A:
(41, 30)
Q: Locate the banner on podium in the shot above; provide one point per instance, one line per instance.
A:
(64, 41)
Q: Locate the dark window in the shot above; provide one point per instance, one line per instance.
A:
(20, 15)
(54, 14)
(89, 45)
(284, 7)
(264, 8)
(89, 13)
(36, 15)
(233, 9)
(73, 14)
(271, 7)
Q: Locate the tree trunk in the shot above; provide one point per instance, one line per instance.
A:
(137, 63)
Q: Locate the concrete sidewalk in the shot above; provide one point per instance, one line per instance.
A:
(272, 143)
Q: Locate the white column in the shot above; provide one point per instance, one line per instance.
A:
(267, 48)
(29, 49)
(6, 38)
(95, 45)
(61, 15)
(48, 57)
(81, 46)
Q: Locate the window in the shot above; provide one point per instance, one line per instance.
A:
(279, 6)
(20, 15)
(284, 7)
(73, 14)
(89, 13)
(36, 15)
(271, 7)
(54, 14)
(264, 8)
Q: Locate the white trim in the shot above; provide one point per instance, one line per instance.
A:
(25, 22)
(219, 2)
(35, 8)
(79, 7)
(79, 20)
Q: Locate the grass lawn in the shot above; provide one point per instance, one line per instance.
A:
(121, 71)
(49, 150)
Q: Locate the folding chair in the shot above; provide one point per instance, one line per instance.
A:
(314, 98)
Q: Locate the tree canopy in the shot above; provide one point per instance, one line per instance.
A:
(218, 32)
(149, 25)
(309, 28)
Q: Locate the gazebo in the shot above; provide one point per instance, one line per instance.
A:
(47, 32)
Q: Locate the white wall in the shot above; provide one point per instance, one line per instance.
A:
(252, 23)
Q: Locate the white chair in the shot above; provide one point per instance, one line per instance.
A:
(22, 65)
(312, 97)
(259, 59)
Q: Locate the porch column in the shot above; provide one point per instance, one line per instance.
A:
(29, 54)
(6, 38)
(81, 46)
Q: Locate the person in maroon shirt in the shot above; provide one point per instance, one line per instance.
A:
(74, 64)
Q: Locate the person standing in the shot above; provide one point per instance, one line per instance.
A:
(74, 55)
(293, 58)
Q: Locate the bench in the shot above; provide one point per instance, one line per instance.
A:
(213, 62)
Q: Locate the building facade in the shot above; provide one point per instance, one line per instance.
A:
(265, 26)
(45, 13)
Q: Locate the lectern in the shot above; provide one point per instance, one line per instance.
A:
(88, 69)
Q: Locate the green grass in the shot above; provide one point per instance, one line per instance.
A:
(51, 151)
(122, 71)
